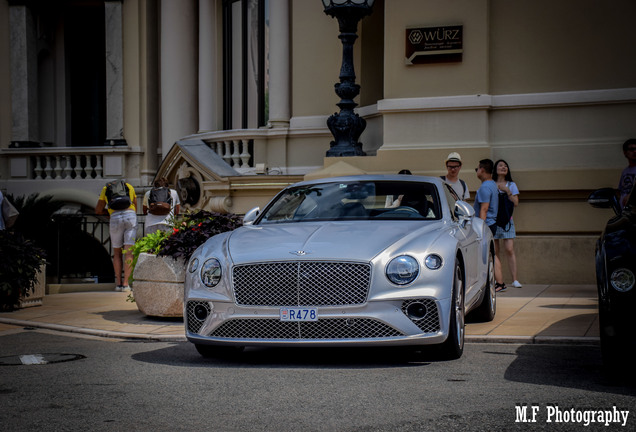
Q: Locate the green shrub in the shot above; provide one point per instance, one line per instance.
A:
(150, 243)
(194, 230)
(21, 262)
(188, 233)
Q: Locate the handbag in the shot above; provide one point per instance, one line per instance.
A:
(9, 213)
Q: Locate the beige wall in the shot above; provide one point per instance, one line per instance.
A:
(468, 77)
(316, 57)
(564, 45)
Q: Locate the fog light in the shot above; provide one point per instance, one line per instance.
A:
(622, 279)
(201, 312)
(416, 311)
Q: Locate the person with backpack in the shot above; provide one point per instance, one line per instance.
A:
(508, 200)
(117, 200)
(453, 166)
(486, 206)
(160, 205)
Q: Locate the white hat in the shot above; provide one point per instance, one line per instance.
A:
(455, 157)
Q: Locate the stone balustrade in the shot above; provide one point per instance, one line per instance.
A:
(65, 163)
(238, 153)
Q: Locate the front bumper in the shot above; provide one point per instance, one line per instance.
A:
(385, 322)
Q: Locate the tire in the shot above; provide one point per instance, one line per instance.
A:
(487, 309)
(217, 351)
(610, 344)
(453, 347)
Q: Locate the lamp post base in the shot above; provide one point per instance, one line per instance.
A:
(346, 127)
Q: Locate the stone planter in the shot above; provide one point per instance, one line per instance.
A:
(35, 297)
(158, 285)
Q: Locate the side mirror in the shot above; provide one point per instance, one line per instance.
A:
(604, 198)
(251, 216)
(464, 211)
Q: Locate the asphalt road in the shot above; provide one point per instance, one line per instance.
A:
(72, 383)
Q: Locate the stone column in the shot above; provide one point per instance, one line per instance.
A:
(24, 77)
(179, 86)
(208, 58)
(279, 67)
(114, 73)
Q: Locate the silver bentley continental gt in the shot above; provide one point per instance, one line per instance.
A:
(356, 261)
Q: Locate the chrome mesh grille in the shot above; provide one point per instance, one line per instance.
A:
(336, 328)
(430, 322)
(301, 283)
(193, 324)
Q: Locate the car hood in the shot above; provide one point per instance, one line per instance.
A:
(356, 240)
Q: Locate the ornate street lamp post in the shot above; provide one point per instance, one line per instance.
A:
(346, 126)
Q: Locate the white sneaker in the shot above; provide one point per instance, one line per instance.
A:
(118, 288)
(125, 288)
(516, 284)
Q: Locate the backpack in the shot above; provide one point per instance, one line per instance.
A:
(463, 183)
(118, 195)
(504, 211)
(159, 201)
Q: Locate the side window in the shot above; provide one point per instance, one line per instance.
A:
(451, 199)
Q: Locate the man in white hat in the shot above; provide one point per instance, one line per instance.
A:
(453, 166)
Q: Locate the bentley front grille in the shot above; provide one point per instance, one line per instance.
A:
(428, 321)
(335, 328)
(301, 283)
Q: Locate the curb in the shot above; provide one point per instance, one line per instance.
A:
(520, 340)
(534, 340)
(94, 332)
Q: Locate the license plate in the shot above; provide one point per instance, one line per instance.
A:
(298, 314)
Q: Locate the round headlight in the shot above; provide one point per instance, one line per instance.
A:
(194, 265)
(402, 270)
(433, 261)
(622, 279)
(211, 272)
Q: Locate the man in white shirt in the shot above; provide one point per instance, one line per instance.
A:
(453, 166)
(156, 222)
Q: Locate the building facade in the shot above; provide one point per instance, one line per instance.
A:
(229, 100)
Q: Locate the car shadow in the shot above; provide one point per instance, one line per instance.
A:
(185, 354)
(566, 365)
(136, 317)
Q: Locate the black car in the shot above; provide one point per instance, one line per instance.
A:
(615, 277)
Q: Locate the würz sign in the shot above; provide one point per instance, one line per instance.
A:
(434, 44)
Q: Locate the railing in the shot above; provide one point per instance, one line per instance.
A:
(238, 153)
(97, 227)
(58, 163)
(241, 148)
(67, 166)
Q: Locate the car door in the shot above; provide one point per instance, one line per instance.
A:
(469, 242)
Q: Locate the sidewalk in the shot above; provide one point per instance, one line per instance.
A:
(532, 314)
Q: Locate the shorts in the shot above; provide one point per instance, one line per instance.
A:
(123, 228)
(503, 234)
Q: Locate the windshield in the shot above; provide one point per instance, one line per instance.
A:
(356, 200)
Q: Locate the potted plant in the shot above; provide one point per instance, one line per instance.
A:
(159, 260)
(21, 281)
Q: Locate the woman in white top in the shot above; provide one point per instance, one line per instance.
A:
(502, 177)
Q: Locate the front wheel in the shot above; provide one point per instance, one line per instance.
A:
(488, 307)
(453, 347)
